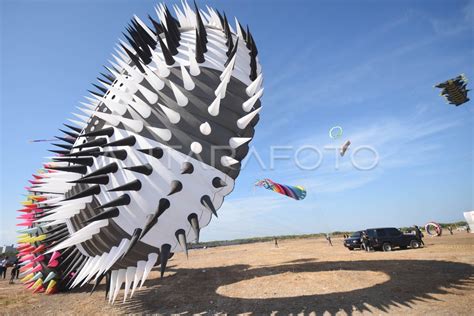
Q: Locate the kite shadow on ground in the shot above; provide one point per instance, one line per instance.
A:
(194, 291)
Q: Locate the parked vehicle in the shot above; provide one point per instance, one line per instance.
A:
(388, 238)
(353, 241)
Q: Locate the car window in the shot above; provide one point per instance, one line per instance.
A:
(394, 232)
(381, 232)
(371, 233)
(356, 235)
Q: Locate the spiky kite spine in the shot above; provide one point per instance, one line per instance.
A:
(156, 150)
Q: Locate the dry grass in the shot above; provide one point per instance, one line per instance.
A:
(301, 276)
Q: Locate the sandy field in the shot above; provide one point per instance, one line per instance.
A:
(301, 276)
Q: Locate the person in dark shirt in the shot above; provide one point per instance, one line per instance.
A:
(419, 235)
(14, 273)
(364, 238)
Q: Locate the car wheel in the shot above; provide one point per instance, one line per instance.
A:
(414, 244)
(350, 248)
(387, 247)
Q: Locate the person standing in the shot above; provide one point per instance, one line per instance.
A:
(328, 238)
(276, 242)
(364, 238)
(419, 235)
(3, 264)
(14, 273)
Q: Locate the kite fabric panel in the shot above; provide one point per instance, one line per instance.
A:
(148, 162)
(295, 192)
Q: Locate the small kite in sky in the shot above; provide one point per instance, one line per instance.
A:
(454, 90)
(295, 192)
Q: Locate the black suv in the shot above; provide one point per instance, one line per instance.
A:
(353, 241)
(389, 238)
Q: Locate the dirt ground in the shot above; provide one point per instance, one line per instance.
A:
(301, 276)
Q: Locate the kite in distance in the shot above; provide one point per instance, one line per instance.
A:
(295, 192)
(454, 90)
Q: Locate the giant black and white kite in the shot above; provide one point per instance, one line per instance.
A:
(156, 149)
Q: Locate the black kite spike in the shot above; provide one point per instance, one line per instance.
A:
(207, 203)
(101, 179)
(135, 237)
(74, 169)
(117, 154)
(156, 152)
(85, 161)
(232, 53)
(93, 143)
(164, 255)
(199, 49)
(152, 219)
(73, 135)
(181, 238)
(127, 141)
(218, 183)
(187, 168)
(158, 27)
(88, 152)
(171, 43)
(108, 131)
(176, 186)
(194, 222)
(65, 146)
(134, 185)
(146, 169)
(102, 89)
(76, 129)
(166, 53)
(114, 212)
(97, 282)
(66, 139)
(93, 190)
(124, 199)
(61, 152)
(110, 168)
(200, 25)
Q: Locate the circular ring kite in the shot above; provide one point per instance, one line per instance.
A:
(433, 229)
(335, 132)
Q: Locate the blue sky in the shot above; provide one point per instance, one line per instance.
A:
(368, 66)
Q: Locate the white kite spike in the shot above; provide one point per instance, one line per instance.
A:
(133, 125)
(248, 105)
(205, 128)
(239, 32)
(152, 257)
(136, 75)
(87, 106)
(188, 82)
(114, 106)
(128, 281)
(138, 275)
(113, 120)
(154, 80)
(151, 97)
(81, 117)
(113, 281)
(118, 285)
(245, 120)
(172, 115)
(227, 161)
(122, 54)
(221, 89)
(236, 142)
(229, 68)
(163, 70)
(80, 124)
(145, 27)
(254, 86)
(162, 133)
(193, 65)
(141, 107)
(181, 99)
(213, 109)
